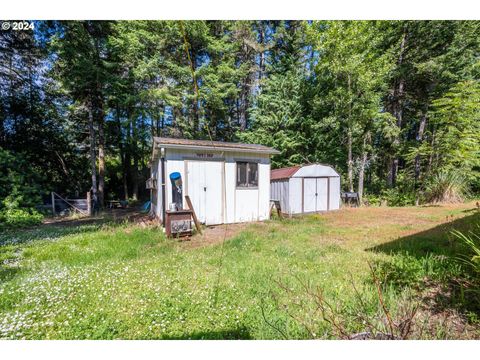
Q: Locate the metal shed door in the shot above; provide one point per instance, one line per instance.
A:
(309, 194)
(315, 194)
(322, 194)
(205, 188)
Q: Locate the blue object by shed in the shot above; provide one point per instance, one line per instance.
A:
(175, 176)
(146, 207)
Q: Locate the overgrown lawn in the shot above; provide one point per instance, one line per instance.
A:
(113, 281)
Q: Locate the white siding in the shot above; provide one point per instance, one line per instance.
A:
(159, 192)
(239, 205)
(279, 190)
(153, 192)
(295, 199)
(334, 193)
(263, 189)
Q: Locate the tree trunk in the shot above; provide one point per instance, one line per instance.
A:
(350, 141)
(135, 160)
(101, 159)
(93, 158)
(417, 166)
(350, 159)
(398, 94)
(196, 110)
(122, 154)
(432, 153)
(244, 104)
(261, 71)
(361, 174)
(128, 159)
(97, 110)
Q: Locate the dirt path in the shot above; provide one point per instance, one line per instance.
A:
(212, 235)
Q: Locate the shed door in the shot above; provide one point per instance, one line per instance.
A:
(322, 194)
(309, 194)
(205, 188)
(315, 194)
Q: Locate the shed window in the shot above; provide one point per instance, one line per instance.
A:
(247, 174)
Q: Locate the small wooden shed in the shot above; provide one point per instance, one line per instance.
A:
(306, 189)
(226, 182)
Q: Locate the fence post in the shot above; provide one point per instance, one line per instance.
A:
(89, 203)
(53, 203)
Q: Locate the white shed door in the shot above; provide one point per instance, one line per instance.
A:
(322, 194)
(309, 194)
(205, 188)
(315, 194)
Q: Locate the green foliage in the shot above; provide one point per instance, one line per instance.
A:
(372, 200)
(405, 269)
(278, 120)
(398, 197)
(16, 218)
(387, 103)
(19, 191)
(472, 242)
(19, 183)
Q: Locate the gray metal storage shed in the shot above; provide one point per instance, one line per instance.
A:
(306, 189)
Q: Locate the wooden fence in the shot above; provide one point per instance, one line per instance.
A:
(60, 204)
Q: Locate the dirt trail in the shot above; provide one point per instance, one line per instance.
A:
(212, 235)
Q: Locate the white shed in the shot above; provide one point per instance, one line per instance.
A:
(306, 189)
(226, 182)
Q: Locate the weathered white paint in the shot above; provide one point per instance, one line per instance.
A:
(312, 188)
(209, 178)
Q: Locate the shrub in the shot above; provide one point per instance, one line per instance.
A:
(372, 200)
(446, 187)
(398, 197)
(20, 218)
(19, 191)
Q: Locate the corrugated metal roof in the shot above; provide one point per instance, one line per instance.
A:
(212, 145)
(283, 173)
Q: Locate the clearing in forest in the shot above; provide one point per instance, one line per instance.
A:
(306, 277)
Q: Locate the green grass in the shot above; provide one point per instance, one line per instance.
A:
(122, 281)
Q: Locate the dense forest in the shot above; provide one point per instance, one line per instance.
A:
(394, 106)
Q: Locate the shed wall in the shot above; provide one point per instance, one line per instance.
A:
(153, 192)
(295, 196)
(279, 190)
(239, 205)
(334, 193)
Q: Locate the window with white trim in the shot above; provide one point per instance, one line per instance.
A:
(247, 174)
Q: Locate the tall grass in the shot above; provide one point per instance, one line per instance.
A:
(122, 281)
(446, 187)
(472, 242)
